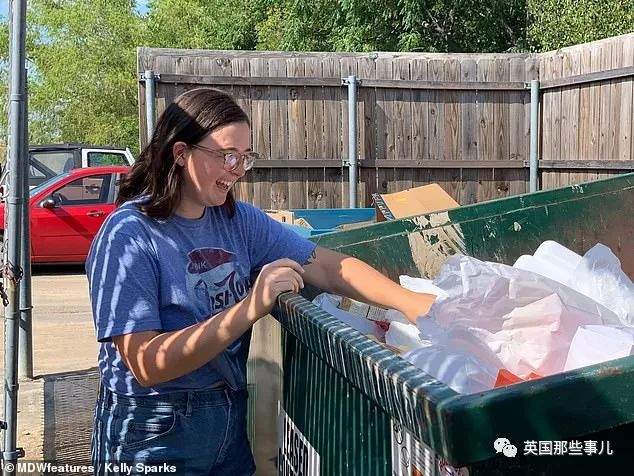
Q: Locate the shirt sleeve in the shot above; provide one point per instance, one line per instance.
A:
(123, 282)
(269, 240)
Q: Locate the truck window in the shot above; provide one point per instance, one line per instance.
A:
(56, 162)
(96, 159)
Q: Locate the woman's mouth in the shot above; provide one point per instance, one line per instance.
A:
(224, 186)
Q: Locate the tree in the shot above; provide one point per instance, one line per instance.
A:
(393, 25)
(207, 24)
(558, 23)
(83, 84)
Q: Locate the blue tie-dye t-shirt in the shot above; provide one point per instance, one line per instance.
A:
(164, 275)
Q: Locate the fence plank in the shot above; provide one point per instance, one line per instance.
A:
(436, 122)
(366, 98)
(296, 106)
(314, 112)
(501, 150)
(334, 195)
(402, 111)
(485, 110)
(297, 187)
(385, 114)
(420, 110)
(605, 105)
(588, 120)
(278, 111)
(315, 189)
(347, 67)
(617, 122)
(468, 109)
(626, 134)
(516, 101)
(260, 110)
(452, 127)
(570, 105)
(332, 111)
(532, 72)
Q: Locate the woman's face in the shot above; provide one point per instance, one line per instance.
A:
(206, 182)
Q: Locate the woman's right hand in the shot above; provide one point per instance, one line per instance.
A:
(274, 279)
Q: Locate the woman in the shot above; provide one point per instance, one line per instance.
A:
(170, 282)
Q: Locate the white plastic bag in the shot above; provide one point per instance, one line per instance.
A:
(595, 344)
(461, 372)
(599, 276)
(481, 293)
(421, 285)
(508, 318)
(552, 260)
(403, 336)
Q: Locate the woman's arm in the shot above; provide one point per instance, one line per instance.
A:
(347, 276)
(155, 357)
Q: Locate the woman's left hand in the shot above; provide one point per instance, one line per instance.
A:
(416, 305)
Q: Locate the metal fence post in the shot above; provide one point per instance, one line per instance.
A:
(534, 144)
(25, 347)
(352, 83)
(150, 104)
(17, 156)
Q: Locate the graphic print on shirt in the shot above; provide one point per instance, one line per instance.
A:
(214, 280)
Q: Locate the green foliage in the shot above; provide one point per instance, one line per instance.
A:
(394, 25)
(82, 53)
(559, 23)
(227, 24)
(82, 65)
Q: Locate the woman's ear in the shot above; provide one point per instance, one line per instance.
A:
(179, 149)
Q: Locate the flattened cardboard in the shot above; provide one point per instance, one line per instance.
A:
(284, 216)
(411, 202)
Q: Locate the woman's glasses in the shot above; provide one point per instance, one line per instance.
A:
(232, 159)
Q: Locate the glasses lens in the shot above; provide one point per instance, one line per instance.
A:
(249, 160)
(231, 161)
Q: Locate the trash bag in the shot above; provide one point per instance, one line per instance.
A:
(595, 344)
(600, 277)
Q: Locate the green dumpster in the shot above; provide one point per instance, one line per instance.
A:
(352, 407)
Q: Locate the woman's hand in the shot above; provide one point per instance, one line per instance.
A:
(414, 305)
(274, 279)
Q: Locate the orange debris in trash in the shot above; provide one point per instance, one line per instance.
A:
(507, 378)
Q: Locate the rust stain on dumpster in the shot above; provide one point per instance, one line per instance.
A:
(435, 242)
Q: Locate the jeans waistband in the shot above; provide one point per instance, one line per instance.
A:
(217, 395)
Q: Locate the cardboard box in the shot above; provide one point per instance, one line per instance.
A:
(411, 202)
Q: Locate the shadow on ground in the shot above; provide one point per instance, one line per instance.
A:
(69, 401)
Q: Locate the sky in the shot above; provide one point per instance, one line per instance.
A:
(4, 6)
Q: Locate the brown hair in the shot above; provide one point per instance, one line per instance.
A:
(155, 174)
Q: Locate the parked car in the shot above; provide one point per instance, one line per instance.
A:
(68, 210)
(47, 161)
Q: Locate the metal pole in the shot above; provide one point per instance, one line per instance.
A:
(351, 81)
(25, 355)
(17, 155)
(150, 106)
(534, 145)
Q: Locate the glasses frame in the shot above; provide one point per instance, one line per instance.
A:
(247, 159)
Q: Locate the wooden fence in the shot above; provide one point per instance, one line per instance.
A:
(459, 120)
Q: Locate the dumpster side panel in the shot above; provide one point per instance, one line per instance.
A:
(349, 432)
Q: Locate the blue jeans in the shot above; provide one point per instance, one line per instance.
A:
(197, 432)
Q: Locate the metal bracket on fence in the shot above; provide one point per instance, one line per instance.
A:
(347, 82)
(13, 455)
(156, 76)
